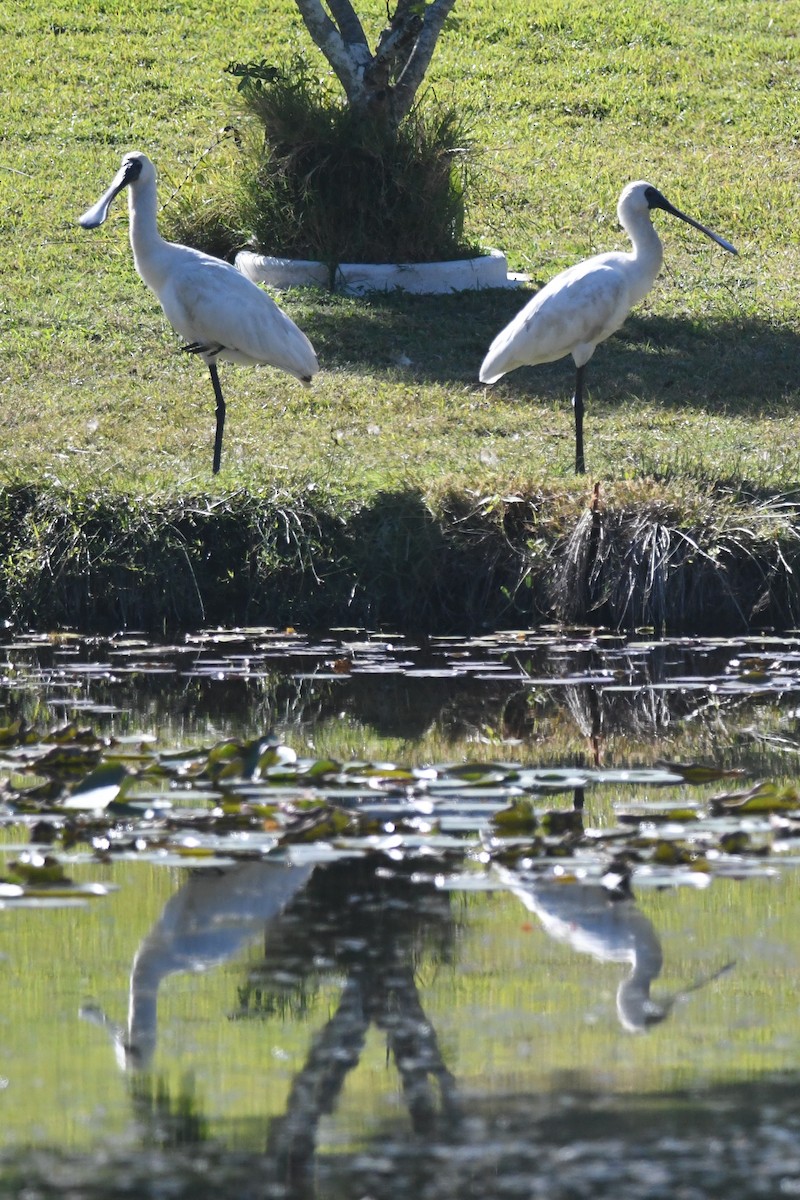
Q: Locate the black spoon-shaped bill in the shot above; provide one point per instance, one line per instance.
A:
(655, 199)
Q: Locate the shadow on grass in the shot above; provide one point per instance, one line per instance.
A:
(444, 337)
(740, 366)
(414, 570)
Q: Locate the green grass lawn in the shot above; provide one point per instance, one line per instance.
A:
(568, 102)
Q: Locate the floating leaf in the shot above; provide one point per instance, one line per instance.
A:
(656, 815)
(322, 825)
(17, 733)
(765, 797)
(554, 780)
(481, 774)
(193, 851)
(517, 855)
(674, 854)
(38, 869)
(30, 799)
(554, 824)
(518, 818)
(99, 788)
(700, 772)
(321, 767)
(737, 842)
(225, 761)
(71, 733)
(388, 771)
(67, 759)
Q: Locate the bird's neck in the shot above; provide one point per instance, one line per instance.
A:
(648, 255)
(146, 242)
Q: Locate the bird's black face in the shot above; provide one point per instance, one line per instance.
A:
(655, 199)
(132, 169)
(128, 173)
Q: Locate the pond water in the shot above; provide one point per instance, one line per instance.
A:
(354, 916)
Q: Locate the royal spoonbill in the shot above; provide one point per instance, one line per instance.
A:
(218, 312)
(585, 304)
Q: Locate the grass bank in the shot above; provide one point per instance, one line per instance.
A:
(450, 562)
(398, 489)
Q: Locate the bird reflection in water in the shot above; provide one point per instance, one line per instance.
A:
(216, 913)
(603, 919)
(368, 922)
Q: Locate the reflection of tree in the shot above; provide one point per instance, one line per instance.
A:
(166, 1119)
(370, 920)
(364, 918)
(392, 1003)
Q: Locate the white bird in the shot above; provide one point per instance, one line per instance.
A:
(218, 311)
(585, 304)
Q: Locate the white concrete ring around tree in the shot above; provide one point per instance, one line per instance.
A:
(355, 279)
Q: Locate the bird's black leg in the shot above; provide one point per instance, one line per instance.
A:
(220, 416)
(577, 403)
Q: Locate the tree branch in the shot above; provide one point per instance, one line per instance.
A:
(389, 78)
(347, 57)
(395, 47)
(350, 27)
(419, 60)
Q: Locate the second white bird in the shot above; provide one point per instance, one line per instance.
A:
(585, 304)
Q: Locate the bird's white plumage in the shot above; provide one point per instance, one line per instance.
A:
(219, 313)
(585, 304)
(210, 302)
(206, 300)
(570, 315)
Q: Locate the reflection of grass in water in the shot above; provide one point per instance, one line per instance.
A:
(556, 732)
(204, 690)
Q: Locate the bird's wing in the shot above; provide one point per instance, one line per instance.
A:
(212, 304)
(574, 311)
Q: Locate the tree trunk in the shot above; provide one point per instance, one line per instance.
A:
(386, 81)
